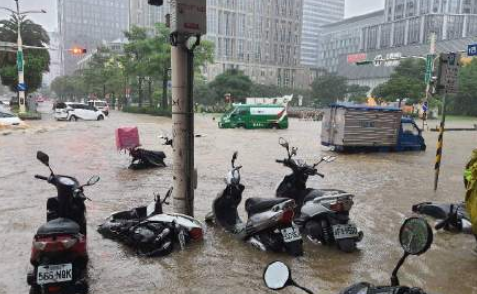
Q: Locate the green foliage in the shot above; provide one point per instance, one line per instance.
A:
(328, 88)
(36, 61)
(233, 82)
(147, 110)
(465, 102)
(406, 82)
(357, 93)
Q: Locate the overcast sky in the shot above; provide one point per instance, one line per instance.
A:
(353, 7)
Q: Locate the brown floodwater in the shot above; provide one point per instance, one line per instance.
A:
(386, 185)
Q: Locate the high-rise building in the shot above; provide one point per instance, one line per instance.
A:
(405, 30)
(143, 15)
(88, 24)
(261, 38)
(55, 58)
(317, 13)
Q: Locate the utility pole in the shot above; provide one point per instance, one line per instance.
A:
(165, 79)
(446, 83)
(188, 22)
(21, 87)
(430, 60)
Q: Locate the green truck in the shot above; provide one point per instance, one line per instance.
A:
(251, 116)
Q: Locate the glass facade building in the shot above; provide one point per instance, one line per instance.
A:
(83, 23)
(317, 13)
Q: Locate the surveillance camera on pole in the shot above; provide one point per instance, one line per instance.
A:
(187, 21)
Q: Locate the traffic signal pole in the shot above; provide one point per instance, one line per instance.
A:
(182, 129)
(430, 60)
(188, 23)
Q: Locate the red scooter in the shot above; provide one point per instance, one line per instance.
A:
(58, 254)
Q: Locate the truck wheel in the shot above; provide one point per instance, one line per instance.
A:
(275, 126)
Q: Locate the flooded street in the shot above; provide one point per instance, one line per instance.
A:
(386, 185)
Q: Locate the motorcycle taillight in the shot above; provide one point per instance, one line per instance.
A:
(337, 206)
(287, 216)
(196, 233)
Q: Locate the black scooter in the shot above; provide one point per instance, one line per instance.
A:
(58, 254)
(416, 237)
(269, 226)
(322, 214)
(452, 217)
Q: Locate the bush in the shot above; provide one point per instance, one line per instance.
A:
(147, 110)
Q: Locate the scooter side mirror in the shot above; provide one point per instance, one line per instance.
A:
(294, 151)
(416, 236)
(277, 275)
(234, 158)
(283, 143)
(92, 181)
(43, 158)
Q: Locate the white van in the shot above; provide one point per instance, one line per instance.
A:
(101, 105)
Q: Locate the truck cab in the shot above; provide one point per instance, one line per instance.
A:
(410, 136)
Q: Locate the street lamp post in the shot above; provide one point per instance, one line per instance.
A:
(21, 87)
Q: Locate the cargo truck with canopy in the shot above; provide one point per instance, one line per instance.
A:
(365, 128)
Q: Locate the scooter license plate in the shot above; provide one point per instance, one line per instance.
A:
(58, 273)
(345, 231)
(290, 234)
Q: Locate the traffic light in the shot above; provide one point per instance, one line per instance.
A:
(78, 51)
(155, 2)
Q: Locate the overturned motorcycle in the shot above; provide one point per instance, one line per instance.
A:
(322, 214)
(451, 217)
(127, 138)
(416, 238)
(150, 231)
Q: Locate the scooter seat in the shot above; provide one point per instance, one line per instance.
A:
(257, 205)
(59, 226)
(313, 194)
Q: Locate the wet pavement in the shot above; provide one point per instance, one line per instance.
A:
(386, 185)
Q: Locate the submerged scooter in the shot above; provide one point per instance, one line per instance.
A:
(322, 214)
(58, 254)
(416, 238)
(270, 221)
(151, 231)
(451, 217)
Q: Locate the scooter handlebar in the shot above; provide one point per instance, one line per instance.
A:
(320, 174)
(41, 177)
(279, 161)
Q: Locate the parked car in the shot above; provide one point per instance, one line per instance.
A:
(74, 111)
(101, 105)
(9, 119)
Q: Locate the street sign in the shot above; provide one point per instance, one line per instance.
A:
(188, 17)
(449, 73)
(472, 50)
(429, 67)
(22, 87)
(20, 60)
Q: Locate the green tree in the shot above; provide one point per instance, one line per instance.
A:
(233, 82)
(357, 93)
(37, 61)
(406, 82)
(465, 102)
(328, 88)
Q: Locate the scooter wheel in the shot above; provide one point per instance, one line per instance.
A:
(346, 245)
(35, 290)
